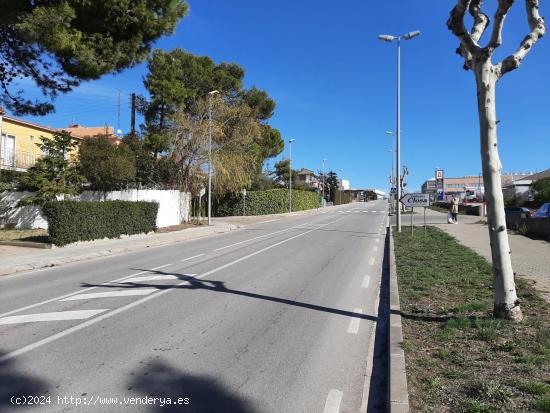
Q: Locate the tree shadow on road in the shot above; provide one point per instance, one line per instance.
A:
(14, 384)
(205, 394)
(194, 283)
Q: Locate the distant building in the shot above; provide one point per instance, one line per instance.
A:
(521, 188)
(467, 186)
(79, 131)
(308, 178)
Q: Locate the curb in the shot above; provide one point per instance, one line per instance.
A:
(151, 243)
(398, 394)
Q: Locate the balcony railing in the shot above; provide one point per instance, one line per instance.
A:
(16, 160)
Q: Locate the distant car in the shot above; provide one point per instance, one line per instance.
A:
(543, 211)
(514, 213)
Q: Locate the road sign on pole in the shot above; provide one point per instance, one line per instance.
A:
(416, 200)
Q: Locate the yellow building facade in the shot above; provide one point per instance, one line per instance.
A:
(18, 139)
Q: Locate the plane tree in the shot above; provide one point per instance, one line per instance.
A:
(478, 59)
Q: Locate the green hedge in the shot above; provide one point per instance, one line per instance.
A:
(272, 201)
(72, 221)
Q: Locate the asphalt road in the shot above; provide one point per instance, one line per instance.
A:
(277, 317)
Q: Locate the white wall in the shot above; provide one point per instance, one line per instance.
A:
(24, 217)
(173, 205)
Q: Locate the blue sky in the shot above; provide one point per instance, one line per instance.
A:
(334, 84)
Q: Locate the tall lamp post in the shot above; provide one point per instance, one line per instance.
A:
(341, 184)
(324, 160)
(290, 175)
(390, 38)
(210, 95)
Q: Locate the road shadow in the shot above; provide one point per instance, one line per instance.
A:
(14, 384)
(194, 283)
(204, 394)
(378, 389)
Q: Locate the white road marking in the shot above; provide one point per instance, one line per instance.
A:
(190, 258)
(151, 278)
(377, 240)
(119, 310)
(258, 237)
(28, 307)
(108, 294)
(366, 281)
(371, 261)
(55, 316)
(334, 398)
(375, 248)
(353, 327)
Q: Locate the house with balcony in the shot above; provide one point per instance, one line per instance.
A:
(19, 139)
(308, 178)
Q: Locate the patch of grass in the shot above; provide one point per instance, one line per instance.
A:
(475, 406)
(459, 357)
(543, 404)
(33, 235)
(534, 387)
(488, 328)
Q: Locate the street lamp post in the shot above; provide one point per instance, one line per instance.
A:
(210, 95)
(389, 38)
(341, 184)
(290, 175)
(392, 203)
(324, 160)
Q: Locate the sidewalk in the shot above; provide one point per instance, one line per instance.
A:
(530, 258)
(18, 259)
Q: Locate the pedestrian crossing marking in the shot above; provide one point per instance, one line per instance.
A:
(54, 316)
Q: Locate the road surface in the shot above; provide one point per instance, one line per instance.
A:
(278, 317)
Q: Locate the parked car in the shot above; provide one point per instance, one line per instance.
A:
(543, 211)
(515, 213)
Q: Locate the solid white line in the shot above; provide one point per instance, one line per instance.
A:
(371, 261)
(271, 220)
(366, 281)
(190, 258)
(108, 294)
(119, 310)
(261, 236)
(375, 248)
(28, 307)
(334, 398)
(151, 278)
(353, 327)
(55, 316)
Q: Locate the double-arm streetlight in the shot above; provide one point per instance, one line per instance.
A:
(390, 38)
(290, 175)
(210, 96)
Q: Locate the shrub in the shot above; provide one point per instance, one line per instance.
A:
(72, 221)
(272, 201)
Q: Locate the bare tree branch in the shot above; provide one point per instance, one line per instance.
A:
(538, 29)
(468, 41)
(500, 15)
(481, 20)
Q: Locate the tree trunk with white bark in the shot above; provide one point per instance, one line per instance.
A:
(478, 59)
(505, 298)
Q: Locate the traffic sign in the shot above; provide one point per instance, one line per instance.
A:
(393, 190)
(416, 200)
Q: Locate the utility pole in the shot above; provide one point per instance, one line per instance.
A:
(133, 112)
(290, 175)
(324, 160)
(211, 94)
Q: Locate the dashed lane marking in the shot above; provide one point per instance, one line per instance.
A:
(334, 398)
(353, 327)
